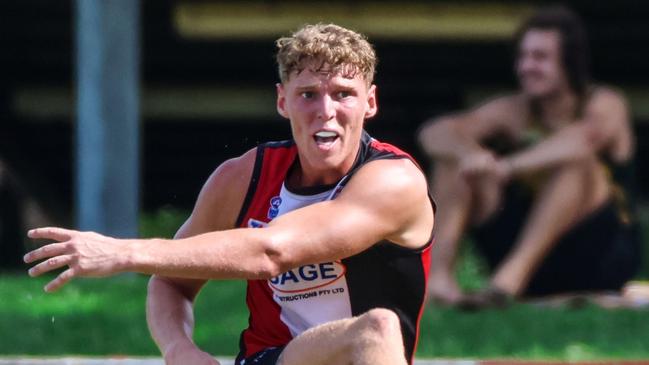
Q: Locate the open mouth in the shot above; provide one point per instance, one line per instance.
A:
(325, 138)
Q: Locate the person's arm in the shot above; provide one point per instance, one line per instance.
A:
(605, 117)
(453, 137)
(386, 199)
(170, 300)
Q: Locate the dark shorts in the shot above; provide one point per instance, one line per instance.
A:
(599, 253)
(264, 357)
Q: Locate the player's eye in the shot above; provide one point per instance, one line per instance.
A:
(343, 94)
(307, 94)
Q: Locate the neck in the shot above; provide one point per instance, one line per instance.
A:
(303, 175)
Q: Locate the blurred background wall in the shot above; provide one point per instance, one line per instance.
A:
(208, 78)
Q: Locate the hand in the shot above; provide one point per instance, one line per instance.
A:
(485, 163)
(504, 169)
(186, 353)
(85, 253)
(477, 163)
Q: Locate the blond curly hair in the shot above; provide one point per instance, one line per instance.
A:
(326, 48)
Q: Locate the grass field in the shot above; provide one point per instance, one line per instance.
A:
(101, 317)
(106, 317)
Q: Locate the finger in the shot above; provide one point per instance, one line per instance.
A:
(51, 250)
(60, 280)
(51, 233)
(50, 264)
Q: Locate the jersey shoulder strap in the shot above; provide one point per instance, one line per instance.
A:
(272, 163)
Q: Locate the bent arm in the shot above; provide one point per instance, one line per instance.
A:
(452, 137)
(170, 314)
(605, 118)
(169, 308)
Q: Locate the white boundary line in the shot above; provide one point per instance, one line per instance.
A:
(158, 361)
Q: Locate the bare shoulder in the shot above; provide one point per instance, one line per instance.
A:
(221, 198)
(390, 185)
(390, 174)
(502, 106)
(501, 114)
(229, 177)
(395, 191)
(606, 98)
(608, 122)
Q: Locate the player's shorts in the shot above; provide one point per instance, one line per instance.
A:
(599, 253)
(265, 357)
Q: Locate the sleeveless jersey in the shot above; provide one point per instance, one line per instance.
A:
(383, 276)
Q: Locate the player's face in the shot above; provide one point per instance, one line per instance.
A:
(539, 66)
(326, 111)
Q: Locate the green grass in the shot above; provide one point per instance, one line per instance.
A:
(101, 317)
(107, 317)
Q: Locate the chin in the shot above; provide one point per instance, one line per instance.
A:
(330, 162)
(537, 92)
(538, 89)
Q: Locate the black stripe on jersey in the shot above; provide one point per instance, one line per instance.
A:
(279, 144)
(252, 188)
(254, 180)
(391, 277)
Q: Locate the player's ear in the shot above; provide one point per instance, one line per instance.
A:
(372, 104)
(281, 100)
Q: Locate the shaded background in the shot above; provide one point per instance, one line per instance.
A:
(208, 94)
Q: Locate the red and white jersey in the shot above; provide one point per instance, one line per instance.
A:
(383, 276)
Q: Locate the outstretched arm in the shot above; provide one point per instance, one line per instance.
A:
(386, 199)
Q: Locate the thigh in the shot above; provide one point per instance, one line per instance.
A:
(374, 337)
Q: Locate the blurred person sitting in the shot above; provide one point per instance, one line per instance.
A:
(542, 176)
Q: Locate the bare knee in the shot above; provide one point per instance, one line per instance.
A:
(448, 186)
(382, 322)
(586, 182)
(487, 194)
(574, 177)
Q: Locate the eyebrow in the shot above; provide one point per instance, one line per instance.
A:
(308, 87)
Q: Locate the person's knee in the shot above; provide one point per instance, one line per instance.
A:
(580, 168)
(382, 322)
(578, 177)
(448, 184)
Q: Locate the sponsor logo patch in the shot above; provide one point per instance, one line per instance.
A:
(308, 277)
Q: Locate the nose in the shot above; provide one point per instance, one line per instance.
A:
(326, 108)
(526, 64)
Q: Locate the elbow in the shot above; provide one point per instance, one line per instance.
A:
(267, 270)
(274, 260)
(427, 134)
(155, 282)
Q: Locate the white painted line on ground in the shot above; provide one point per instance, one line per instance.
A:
(158, 361)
